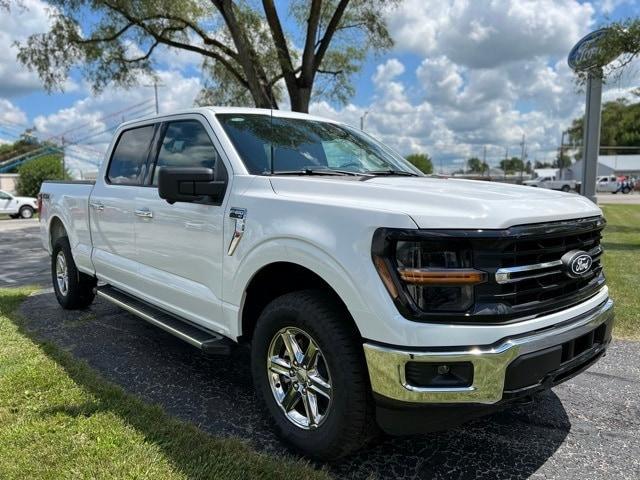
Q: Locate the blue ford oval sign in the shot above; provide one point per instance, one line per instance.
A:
(583, 55)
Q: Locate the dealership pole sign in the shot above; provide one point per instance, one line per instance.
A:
(585, 57)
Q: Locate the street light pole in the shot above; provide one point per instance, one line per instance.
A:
(362, 118)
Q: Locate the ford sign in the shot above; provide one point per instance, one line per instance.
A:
(584, 55)
(576, 263)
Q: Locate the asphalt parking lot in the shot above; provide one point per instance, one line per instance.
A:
(587, 428)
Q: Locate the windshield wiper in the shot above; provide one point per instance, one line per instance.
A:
(392, 172)
(317, 171)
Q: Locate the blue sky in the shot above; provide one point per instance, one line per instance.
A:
(463, 75)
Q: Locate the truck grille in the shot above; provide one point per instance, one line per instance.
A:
(526, 275)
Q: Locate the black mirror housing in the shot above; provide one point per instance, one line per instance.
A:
(189, 184)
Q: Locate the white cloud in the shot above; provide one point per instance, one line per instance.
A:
(87, 125)
(11, 114)
(483, 34)
(26, 18)
(387, 71)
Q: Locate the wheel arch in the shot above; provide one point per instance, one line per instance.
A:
(273, 280)
(57, 230)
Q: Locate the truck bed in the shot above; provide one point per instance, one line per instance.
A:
(68, 199)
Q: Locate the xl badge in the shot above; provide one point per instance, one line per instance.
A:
(576, 263)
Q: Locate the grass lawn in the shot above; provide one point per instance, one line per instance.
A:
(622, 266)
(59, 420)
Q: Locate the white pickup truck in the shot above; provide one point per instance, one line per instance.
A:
(551, 183)
(372, 296)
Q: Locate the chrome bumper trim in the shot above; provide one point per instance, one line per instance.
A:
(387, 365)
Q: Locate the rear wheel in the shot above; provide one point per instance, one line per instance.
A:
(309, 369)
(566, 188)
(26, 212)
(73, 289)
(626, 190)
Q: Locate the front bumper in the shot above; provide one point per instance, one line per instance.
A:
(512, 362)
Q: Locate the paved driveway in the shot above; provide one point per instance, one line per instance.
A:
(587, 428)
(23, 261)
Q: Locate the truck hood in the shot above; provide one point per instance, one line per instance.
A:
(441, 202)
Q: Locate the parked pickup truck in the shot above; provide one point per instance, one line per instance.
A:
(17, 207)
(551, 183)
(372, 296)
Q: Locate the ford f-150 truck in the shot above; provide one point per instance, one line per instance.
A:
(372, 297)
(552, 184)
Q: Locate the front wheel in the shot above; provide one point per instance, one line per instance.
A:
(73, 289)
(308, 367)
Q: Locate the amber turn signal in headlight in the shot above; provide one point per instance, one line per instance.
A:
(444, 276)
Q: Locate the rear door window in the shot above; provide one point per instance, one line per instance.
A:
(186, 143)
(129, 159)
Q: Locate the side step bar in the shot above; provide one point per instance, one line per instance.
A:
(209, 342)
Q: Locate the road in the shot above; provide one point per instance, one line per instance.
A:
(23, 261)
(618, 198)
(587, 428)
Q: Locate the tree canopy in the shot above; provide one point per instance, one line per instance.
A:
(34, 172)
(245, 48)
(422, 161)
(475, 165)
(620, 126)
(617, 48)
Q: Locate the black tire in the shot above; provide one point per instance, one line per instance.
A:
(26, 212)
(79, 286)
(565, 188)
(349, 422)
(626, 190)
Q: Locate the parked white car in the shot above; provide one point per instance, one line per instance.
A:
(610, 183)
(368, 292)
(17, 207)
(551, 183)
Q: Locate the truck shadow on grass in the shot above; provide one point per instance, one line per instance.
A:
(216, 395)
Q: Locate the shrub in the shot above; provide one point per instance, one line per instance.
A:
(421, 161)
(34, 172)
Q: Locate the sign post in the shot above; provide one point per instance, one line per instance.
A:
(583, 57)
(591, 134)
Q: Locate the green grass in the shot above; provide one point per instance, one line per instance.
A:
(59, 420)
(621, 245)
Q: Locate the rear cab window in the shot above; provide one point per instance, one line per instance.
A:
(128, 163)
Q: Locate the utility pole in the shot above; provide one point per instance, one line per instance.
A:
(522, 144)
(485, 166)
(561, 159)
(155, 93)
(362, 118)
(64, 169)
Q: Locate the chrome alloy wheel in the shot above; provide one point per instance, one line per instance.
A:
(62, 274)
(299, 377)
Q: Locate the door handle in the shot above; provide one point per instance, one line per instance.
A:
(97, 206)
(144, 213)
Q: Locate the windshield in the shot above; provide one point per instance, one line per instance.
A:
(307, 145)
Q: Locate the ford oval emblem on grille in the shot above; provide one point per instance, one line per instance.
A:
(576, 263)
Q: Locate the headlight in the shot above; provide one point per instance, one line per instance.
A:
(432, 275)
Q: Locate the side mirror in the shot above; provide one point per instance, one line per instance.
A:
(189, 184)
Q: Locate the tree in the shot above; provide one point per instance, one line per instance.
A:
(512, 165)
(34, 172)
(475, 165)
(620, 126)
(245, 50)
(422, 161)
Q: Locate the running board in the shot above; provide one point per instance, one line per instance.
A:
(209, 342)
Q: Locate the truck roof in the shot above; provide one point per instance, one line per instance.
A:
(238, 110)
